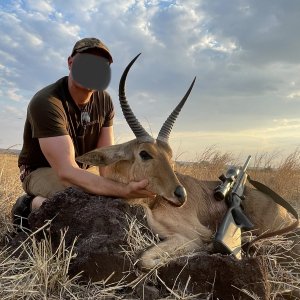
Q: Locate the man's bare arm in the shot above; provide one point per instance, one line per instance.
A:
(59, 152)
(106, 137)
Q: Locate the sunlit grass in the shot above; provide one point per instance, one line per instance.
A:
(43, 273)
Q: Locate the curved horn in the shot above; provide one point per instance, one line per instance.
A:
(165, 130)
(132, 121)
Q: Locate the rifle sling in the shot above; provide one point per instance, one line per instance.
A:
(280, 201)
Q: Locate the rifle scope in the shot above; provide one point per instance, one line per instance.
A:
(221, 191)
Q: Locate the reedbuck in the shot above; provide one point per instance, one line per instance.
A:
(184, 214)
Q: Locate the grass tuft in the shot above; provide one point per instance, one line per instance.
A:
(35, 271)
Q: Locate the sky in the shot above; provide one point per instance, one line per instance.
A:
(244, 53)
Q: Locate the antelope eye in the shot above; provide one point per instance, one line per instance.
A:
(145, 155)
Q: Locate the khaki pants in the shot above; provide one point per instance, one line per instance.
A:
(44, 182)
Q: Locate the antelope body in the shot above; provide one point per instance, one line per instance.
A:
(184, 214)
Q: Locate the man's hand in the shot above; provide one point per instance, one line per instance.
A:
(137, 189)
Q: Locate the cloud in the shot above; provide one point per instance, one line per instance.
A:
(294, 96)
(33, 43)
(244, 54)
(13, 111)
(14, 94)
(283, 135)
(41, 6)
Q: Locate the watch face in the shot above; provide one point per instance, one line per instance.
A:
(91, 71)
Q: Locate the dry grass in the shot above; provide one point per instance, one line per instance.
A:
(282, 174)
(139, 238)
(37, 272)
(10, 190)
(284, 277)
(44, 273)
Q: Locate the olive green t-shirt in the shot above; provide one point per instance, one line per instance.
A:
(52, 112)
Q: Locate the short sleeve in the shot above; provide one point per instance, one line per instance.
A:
(109, 111)
(47, 117)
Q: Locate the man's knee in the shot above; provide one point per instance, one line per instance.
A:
(43, 182)
(37, 202)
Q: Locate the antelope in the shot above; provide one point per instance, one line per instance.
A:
(184, 214)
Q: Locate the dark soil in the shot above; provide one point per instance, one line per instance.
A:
(100, 223)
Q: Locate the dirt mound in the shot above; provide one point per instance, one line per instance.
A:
(100, 225)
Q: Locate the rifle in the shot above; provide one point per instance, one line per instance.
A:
(228, 237)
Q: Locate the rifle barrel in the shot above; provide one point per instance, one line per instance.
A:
(246, 164)
(241, 175)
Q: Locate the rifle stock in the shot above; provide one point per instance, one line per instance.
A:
(228, 237)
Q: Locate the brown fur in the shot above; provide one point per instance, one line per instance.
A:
(191, 226)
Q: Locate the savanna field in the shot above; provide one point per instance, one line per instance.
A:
(43, 274)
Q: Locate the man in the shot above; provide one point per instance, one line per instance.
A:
(64, 120)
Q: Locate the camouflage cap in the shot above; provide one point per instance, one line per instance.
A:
(90, 43)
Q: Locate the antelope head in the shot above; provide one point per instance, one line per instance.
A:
(143, 157)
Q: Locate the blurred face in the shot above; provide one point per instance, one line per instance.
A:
(90, 70)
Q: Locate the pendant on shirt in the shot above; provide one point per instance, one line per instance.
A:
(85, 118)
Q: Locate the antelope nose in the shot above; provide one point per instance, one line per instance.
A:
(180, 193)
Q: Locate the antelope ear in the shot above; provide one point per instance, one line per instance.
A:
(107, 155)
